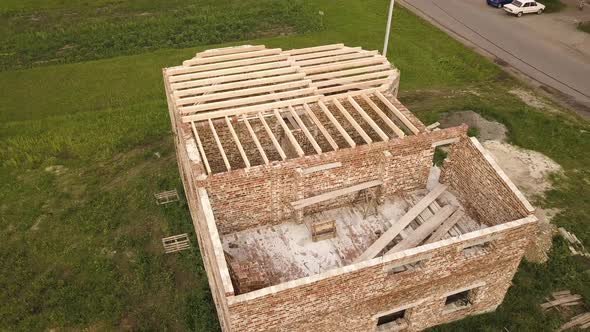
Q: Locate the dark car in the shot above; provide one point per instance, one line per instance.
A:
(498, 3)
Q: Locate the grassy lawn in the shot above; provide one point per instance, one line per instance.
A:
(85, 144)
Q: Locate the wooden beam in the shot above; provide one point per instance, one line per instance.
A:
(242, 92)
(237, 63)
(353, 78)
(383, 116)
(237, 85)
(178, 83)
(320, 126)
(232, 78)
(355, 85)
(230, 50)
(223, 155)
(233, 56)
(353, 122)
(445, 227)
(289, 134)
(201, 150)
(314, 49)
(397, 112)
(237, 141)
(330, 59)
(343, 65)
(339, 51)
(400, 224)
(255, 139)
(250, 109)
(367, 118)
(348, 72)
(300, 204)
(272, 137)
(246, 101)
(336, 124)
(422, 232)
(305, 131)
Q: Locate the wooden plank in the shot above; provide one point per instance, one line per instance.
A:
(230, 50)
(289, 134)
(397, 113)
(219, 146)
(367, 118)
(206, 82)
(355, 93)
(238, 85)
(336, 124)
(178, 83)
(256, 141)
(355, 85)
(422, 232)
(336, 58)
(353, 122)
(236, 63)
(433, 125)
(445, 227)
(250, 109)
(339, 51)
(580, 319)
(349, 72)
(246, 101)
(400, 224)
(272, 137)
(313, 49)
(320, 126)
(300, 204)
(354, 78)
(237, 141)
(305, 130)
(242, 92)
(343, 65)
(561, 293)
(201, 150)
(562, 300)
(233, 56)
(320, 168)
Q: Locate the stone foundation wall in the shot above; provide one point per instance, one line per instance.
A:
(350, 299)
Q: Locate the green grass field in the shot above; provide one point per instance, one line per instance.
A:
(85, 144)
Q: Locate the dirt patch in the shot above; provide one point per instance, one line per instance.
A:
(529, 170)
(488, 130)
(532, 100)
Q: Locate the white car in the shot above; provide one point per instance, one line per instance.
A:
(519, 7)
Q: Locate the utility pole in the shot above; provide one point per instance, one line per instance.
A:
(388, 28)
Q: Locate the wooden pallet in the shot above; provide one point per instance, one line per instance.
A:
(321, 230)
(176, 243)
(166, 197)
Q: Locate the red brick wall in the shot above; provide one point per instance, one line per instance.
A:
(348, 301)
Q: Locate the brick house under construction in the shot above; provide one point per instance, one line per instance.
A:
(315, 201)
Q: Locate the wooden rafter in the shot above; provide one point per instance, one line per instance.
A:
(314, 49)
(305, 130)
(237, 141)
(383, 116)
(282, 70)
(201, 150)
(367, 118)
(343, 65)
(354, 78)
(272, 137)
(320, 126)
(178, 84)
(230, 50)
(289, 134)
(255, 139)
(322, 54)
(354, 85)
(397, 113)
(353, 122)
(233, 56)
(212, 66)
(336, 124)
(329, 59)
(348, 72)
(223, 155)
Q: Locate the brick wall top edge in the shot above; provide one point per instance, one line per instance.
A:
(421, 250)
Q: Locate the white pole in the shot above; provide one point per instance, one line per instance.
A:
(388, 28)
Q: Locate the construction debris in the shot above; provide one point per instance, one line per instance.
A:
(575, 245)
(582, 321)
(166, 197)
(176, 243)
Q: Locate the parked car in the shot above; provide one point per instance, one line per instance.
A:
(519, 7)
(498, 3)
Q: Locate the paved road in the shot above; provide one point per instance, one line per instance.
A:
(546, 48)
